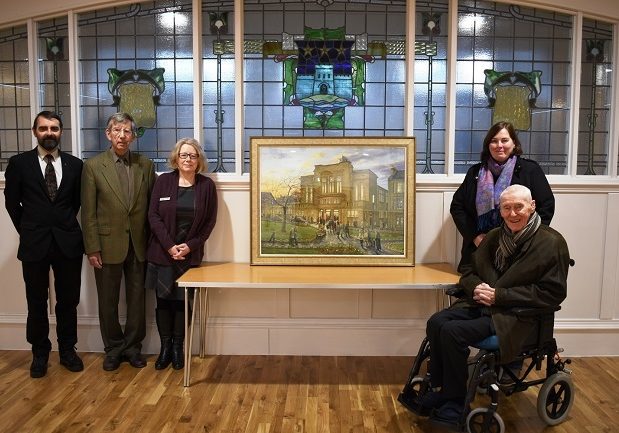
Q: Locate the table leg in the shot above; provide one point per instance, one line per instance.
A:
(187, 344)
(189, 332)
(203, 320)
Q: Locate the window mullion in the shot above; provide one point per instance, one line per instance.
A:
(33, 67)
(572, 151)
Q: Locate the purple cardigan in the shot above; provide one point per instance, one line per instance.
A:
(162, 218)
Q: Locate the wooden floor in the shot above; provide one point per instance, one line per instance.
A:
(261, 394)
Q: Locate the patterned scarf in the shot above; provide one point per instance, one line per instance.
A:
(509, 242)
(488, 192)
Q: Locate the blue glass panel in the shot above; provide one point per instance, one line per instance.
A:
(126, 47)
(273, 72)
(253, 69)
(375, 94)
(145, 46)
(354, 117)
(272, 94)
(166, 117)
(394, 118)
(253, 116)
(209, 91)
(293, 117)
(184, 69)
(396, 71)
(227, 93)
(253, 93)
(374, 118)
(273, 118)
(395, 94)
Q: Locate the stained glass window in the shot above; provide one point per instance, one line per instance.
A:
(54, 84)
(218, 82)
(595, 97)
(431, 29)
(15, 121)
(501, 45)
(323, 68)
(122, 53)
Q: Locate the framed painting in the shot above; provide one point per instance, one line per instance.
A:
(333, 201)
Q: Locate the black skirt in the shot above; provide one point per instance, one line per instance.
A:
(162, 279)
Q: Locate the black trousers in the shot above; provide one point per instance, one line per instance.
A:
(450, 333)
(67, 281)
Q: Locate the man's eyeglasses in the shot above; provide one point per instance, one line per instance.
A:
(192, 156)
(121, 131)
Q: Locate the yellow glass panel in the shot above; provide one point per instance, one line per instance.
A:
(512, 105)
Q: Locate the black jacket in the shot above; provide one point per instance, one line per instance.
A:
(527, 172)
(37, 219)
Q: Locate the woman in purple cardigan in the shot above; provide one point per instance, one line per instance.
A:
(182, 214)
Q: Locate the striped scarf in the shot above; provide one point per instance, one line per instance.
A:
(509, 242)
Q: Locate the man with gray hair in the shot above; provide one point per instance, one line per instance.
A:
(522, 263)
(116, 188)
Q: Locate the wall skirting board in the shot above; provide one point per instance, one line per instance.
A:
(328, 337)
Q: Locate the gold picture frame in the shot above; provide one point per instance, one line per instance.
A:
(333, 201)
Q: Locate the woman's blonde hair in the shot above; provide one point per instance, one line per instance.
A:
(173, 158)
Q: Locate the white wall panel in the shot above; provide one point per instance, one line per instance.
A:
(581, 218)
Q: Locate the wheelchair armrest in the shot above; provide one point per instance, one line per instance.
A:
(456, 292)
(532, 312)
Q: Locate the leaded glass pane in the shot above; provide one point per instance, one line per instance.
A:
(54, 73)
(595, 97)
(328, 68)
(218, 82)
(431, 26)
(15, 121)
(513, 64)
(122, 52)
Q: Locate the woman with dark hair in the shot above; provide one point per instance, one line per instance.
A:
(474, 207)
(182, 214)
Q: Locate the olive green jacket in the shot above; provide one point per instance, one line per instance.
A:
(107, 221)
(536, 277)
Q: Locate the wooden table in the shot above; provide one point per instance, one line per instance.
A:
(438, 276)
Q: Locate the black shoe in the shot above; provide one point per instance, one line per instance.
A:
(165, 356)
(135, 360)
(111, 363)
(71, 360)
(178, 354)
(38, 368)
(424, 404)
(449, 415)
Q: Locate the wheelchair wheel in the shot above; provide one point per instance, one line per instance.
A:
(555, 399)
(475, 422)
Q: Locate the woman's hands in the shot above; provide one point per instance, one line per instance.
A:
(178, 252)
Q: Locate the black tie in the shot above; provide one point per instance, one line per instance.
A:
(50, 178)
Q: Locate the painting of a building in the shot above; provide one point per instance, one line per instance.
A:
(340, 193)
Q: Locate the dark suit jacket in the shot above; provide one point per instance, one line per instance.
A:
(162, 218)
(527, 172)
(107, 221)
(37, 219)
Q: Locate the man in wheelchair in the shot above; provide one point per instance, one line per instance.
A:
(523, 263)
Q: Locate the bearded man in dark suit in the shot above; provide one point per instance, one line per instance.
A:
(42, 197)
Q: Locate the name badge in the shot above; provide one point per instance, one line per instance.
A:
(164, 198)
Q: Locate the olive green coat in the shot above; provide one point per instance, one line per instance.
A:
(107, 221)
(536, 277)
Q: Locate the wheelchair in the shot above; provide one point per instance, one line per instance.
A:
(555, 398)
